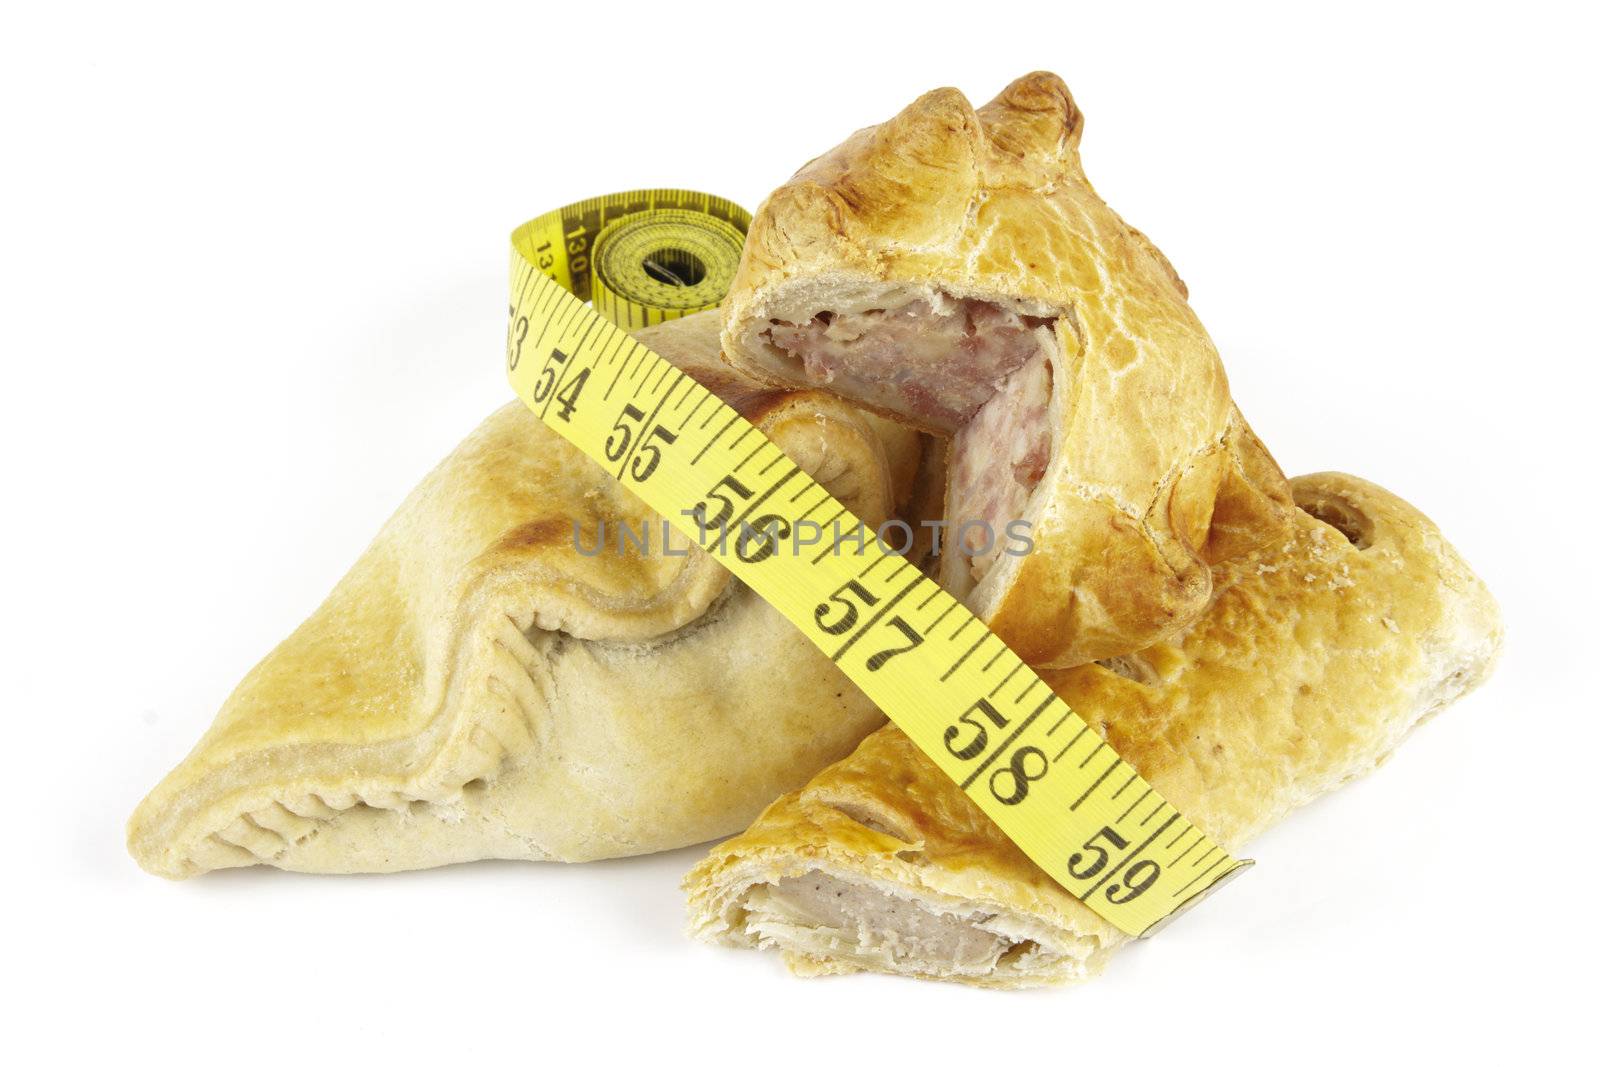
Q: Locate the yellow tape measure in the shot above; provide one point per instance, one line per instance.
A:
(1051, 783)
(642, 257)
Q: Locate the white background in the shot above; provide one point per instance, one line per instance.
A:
(254, 260)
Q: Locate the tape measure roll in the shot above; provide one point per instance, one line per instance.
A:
(1053, 785)
(642, 257)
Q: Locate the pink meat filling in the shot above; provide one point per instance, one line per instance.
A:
(934, 365)
(998, 459)
(961, 366)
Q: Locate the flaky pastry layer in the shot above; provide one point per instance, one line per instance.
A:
(1144, 475)
(1317, 657)
(476, 686)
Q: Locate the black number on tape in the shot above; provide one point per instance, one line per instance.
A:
(849, 616)
(644, 467)
(519, 334)
(547, 377)
(1018, 774)
(878, 659)
(622, 434)
(760, 534)
(725, 510)
(1080, 866)
(980, 740)
(567, 397)
(1135, 880)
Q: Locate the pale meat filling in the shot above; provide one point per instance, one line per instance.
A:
(823, 916)
(999, 457)
(934, 364)
(966, 367)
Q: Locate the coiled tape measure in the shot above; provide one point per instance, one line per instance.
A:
(1051, 783)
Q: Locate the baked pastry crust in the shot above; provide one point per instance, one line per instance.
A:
(1153, 474)
(476, 687)
(1316, 659)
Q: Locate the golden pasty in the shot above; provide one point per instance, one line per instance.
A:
(1316, 658)
(477, 686)
(953, 268)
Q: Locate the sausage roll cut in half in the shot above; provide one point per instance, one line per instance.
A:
(489, 681)
(954, 269)
(1315, 660)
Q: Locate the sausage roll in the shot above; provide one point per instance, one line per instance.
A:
(1316, 658)
(490, 680)
(954, 269)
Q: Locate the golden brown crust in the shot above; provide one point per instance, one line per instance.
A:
(993, 204)
(476, 686)
(1315, 660)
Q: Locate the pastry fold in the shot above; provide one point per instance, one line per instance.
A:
(1315, 660)
(477, 686)
(953, 268)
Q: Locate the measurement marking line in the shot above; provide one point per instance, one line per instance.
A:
(1135, 805)
(524, 279)
(631, 353)
(737, 441)
(1103, 776)
(698, 405)
(929, 631)
(931, 598)
(996, 657)
(552, 294)
(762, 499)
(802, 516)
(1062, 721)
(1123, 788)
(1020, 697)
(780, 458)
(1006, 743)
(1075, 738)
(583, 338)
(1183, 834)
(754, 452)
(641, 386)
(969, 621)
(831, 520)
(725, 426)
(539, 341)
(1104, 878)
(963, 658)
(870, 623)
(537, 296)
(1198, 860)
(713, 413)
(574, 306)
(615, 348)
(1012, 673)
(1202, 874)
(905, 565)
(1153, 812)
(1095, 752)
(804, 489)
(874, 566)
(1192, 845)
